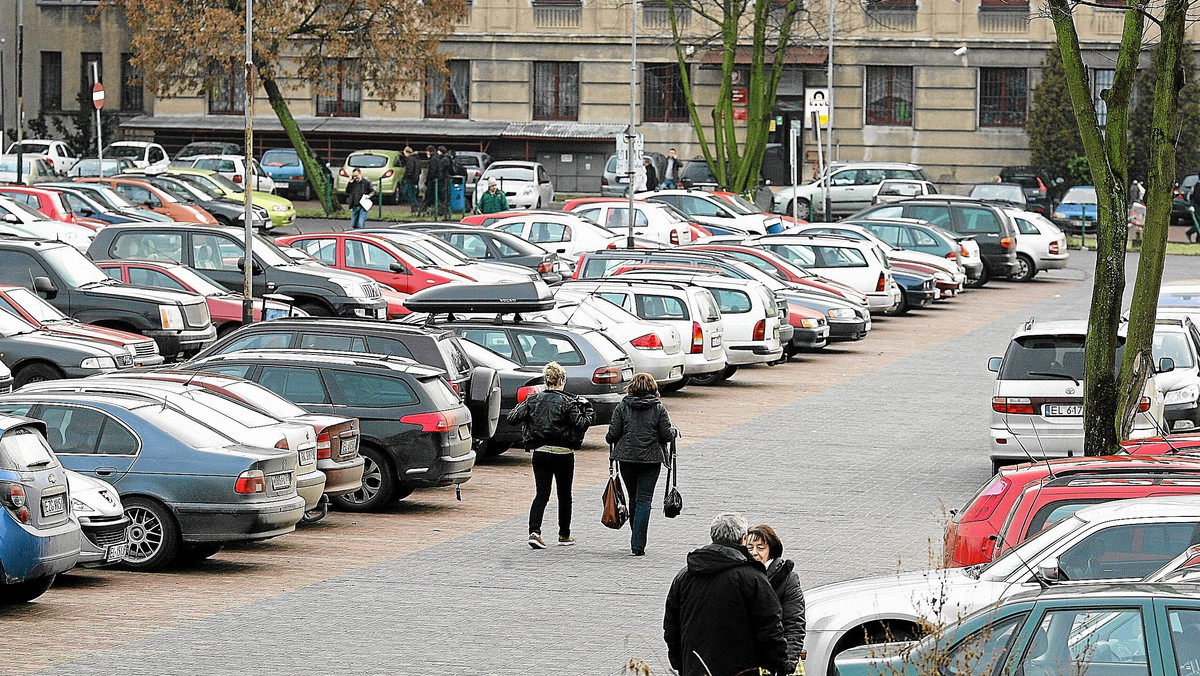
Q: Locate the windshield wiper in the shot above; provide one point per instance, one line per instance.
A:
(1062, 376)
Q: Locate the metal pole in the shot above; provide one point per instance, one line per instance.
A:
(829, 83)
(632, 136)
(20, 86)
(794, 157)
(3, 93)
(99, 143)
(247, 213)
(821, 165)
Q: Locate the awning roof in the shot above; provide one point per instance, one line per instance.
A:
(793, 56)
(376, 126)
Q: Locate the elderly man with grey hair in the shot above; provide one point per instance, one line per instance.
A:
(723, 617)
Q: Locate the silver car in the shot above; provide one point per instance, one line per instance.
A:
(102, 519)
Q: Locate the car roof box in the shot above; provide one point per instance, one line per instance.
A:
(504, 297)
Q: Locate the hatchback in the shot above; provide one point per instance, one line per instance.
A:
(97, 506)
(1078, 210)
(191, 151)
(21, 220)
(49, 203)
(711, 211)
(563, 233)
(652, 220)
(1009, 193)
(438, 253)
(862, 265)
(90, 166)
(282, 211)
(34, 170)
(383, 168)
(60, 156)
(35, 355)
(1179, 340)
(233, 167)
(1040, 245)
(148, 156)
(525, 184)
(484, 245)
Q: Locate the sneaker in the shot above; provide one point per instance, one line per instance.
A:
(566, 542)
(639, 552)
(536, 541)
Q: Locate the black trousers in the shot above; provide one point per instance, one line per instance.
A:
(559, 468)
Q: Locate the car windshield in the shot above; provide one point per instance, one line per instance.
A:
(999, 191)
(194, 149)
(412, 252)
(23, 449)
(73, 267)
(442, 254)
(9, 165)
(1179, 298)
(132, 152)
(1173, 344)
(226, 186)
(467, 160)
(900, 188)
(367, 161)
(278, 158)
(741, 204)
(91, 167)
(198, 282)
(33, 147)
(509, 173)
(1047, 357)
(30, 213)
(1083, 194)
(11, 325)
(33, 304)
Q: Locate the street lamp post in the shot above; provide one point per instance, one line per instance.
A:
(20, 85)
(829, 134)
(631, 137)
(248, 181)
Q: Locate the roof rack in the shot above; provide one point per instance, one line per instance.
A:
(626, 282)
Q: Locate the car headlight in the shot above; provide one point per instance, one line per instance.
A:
(1184, 395)
(98, 363)
(171, 316)
(1058, 214)
(840, 312)
(809, 322)
(352, 288)
(279, 208)
(80, 507)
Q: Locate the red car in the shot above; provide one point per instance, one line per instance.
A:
(1021, 500)
(484, 220)
(49, 204)
(23, 303)
(225, 307)
(1170, 444)
(778, 267)
(373, 256)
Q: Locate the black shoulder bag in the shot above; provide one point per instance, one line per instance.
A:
(672, 500)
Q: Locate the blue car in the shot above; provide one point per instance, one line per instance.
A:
(39, 538)
(1077, 210)
(917, 290)
(283, 166)
(186, 488)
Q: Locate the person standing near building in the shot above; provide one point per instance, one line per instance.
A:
(670, 178)
(408, 182)
(637, 433)
(651, 173)
(493, 200)
(356, 190)
(428, 181)
(445, 173)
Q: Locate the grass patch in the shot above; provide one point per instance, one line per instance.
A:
(1173, 248)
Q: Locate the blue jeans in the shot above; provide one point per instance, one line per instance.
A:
(668, 184)
(358, 217)
(640, 479)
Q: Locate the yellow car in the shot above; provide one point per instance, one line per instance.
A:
(281, 210)
(383, 168)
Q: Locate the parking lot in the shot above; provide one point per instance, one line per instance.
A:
(853, 454)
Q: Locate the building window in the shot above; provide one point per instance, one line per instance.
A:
(131, 85)
(1101, 79)
(227, 89)
(555, 90)
(342, 95)
(1003, 94)
(663, 97)
(889, 95)
(449, 95)
(86, 80)
(51, 80)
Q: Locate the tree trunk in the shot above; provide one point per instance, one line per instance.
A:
(313, 171)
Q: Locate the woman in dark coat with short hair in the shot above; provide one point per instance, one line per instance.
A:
(765, 547)
(639, 430)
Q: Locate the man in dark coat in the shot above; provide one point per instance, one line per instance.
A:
(723, 618)
(408, 182)
(651, 174)
(427, 183)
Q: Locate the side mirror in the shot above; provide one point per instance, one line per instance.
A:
(1166, 365)
(1058, 181)
(400, 268)
(44, 285)
(11, 218)
(1048, 570)
(994, 364)
(256, 269)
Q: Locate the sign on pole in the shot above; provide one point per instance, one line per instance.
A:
(98, 102)
(98, 95)
(639, 144)
(817, 101)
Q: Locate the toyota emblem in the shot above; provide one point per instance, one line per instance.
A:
(1070, 390)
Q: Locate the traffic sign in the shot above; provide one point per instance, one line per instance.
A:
(639, 144)
(817, 101)
(98, 95)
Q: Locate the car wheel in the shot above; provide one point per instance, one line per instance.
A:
(20, 592)
(984, 277)
(677, 385)
(315, 309)
(489, 448)
(728, 372)
(402, 491)
(539, 204)
(153, 535)
(193, 553)
(705, 379)
(902, 307)
(378, 484)
(35, 373)
(1025, 269)
(802, 208)
(879, 631)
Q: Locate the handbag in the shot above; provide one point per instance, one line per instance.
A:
(616, 511)
(672, 500)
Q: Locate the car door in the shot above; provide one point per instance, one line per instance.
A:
(841, 189)
(217, 255)
(379, 264)
(89, 441)
(858, 196)
(545, 187)
(551, 235)
(1088, 638)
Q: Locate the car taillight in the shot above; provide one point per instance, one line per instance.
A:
(1054, 247)
(965, 254)
(282, 444)
(606, 375)
(438, 421)
(1006, 242)
(545, 267)
(650, 341)
(603, 181)
(951, 255)
(1143, 404)
(237, 178)
(296, 178)
(526, 392)
(49, 160)
(324, 446)
(881, 284)
(697, 338)
(13, 497)
(987, 501)
(249, 482)
(342, 173)
(1018, 405)
(760, 330)
(675, 237)
(389, 173)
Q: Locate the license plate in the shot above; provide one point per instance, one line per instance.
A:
(626, 374)
(776, 333)
(716, 341)
(281, 184)
(275, 313)
(54, 506)
(464, 432)
(116, 553)
(1062, 410)
(622, 179)
(308, 457)
(281, 482)
(349, 447)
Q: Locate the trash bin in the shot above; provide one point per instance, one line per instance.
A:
(458, 192)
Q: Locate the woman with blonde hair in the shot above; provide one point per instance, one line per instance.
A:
(554, 425)
(764, 546)
(639, 431)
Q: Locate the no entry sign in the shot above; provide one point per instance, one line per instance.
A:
(98, 95)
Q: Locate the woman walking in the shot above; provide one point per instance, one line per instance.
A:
(554, 425)
(639, 430)
(764, 546)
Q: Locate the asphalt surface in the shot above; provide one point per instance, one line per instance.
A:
(856, 476)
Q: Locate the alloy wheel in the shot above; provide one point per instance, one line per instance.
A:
(145, 533)
(372, 482)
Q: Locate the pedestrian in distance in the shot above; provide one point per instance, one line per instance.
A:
(670, 177)
(764, 546)
(357, 190)
(553, 425)
(428, 180)
(637, 434)
(445, 170)
(651, 173)
(492, 201)
(722, 616)
(408, 182)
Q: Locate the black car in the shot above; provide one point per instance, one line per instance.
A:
(33, 354)
(437, 348)
(218, 252)
(1039, 188)
(495, 246)
(517, 383)
(227, 212)
(414, 430)
(177, 320)
(994, 231)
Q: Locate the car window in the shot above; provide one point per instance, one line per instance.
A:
(147, 277)
(322, 249)
(22, 448)
(652, 307)
(1091, 641)
(506, 250)
(539, 349)
(887, 212)
(983, 651)
(370, 390)
(614, 298)
(388, 346)
(936, 214)
(595, 268)
(590, 214)
(139, 195)
(892, 234)
(540, 231)
(1173, 345)
(299, 385)
(923, 239)
(731, 301)
(902, 173)
(869, 177)
(86, 431)
(329, 341)
(841, 178)
(696, 206)
(258, 341)
(495, 340)
(1045, 358)
(471, 245)
(619, 218)
(706, 306)
(1185, 639)
(18, 267)
(516, 229)
(796, 254)
(215, 252)
(977, 219)
(239, 370)
(1050, 514)
(457, 363)
(1132, 551)
(155, 246)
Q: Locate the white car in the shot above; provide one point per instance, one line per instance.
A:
(526, 185)
(851, 187)
(896, 189)
(233, 167)
(862, 265)
(102, 520)
(57, 154)
(651, 220)
(563, 233)
(949, 273)
(34, 169)
(148, 156)
(435, 252)
(1040, 245)
(709, 210)
(1125, 540)
(22, 218)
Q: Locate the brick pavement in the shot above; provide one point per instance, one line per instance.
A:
(851, 461)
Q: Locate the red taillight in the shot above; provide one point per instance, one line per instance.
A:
(16, 496)
(49, 160)
(1054, 247)
(545, 267)
(1144, 404)
(650, 341)
(606, 375)
(987, 501)
(760, 330)
(249, 482)
(282, 444)
(296, 178)
(454, 386)
(342, 173)
(324, 446)
(603, 181)
(1017, 405)
(528, 391)
(697, 338)
(237, 178)
(674, 237)
(389, 173)
(964, 253)
(951, 255)
(881, 285)
(439, 421)
(1006, 242)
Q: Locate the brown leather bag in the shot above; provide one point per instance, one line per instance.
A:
(616, 513)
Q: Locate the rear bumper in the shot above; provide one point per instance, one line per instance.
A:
(32, 553)
(447, 470)
(206, 522)
(883, 301)
(342, 477)
(1053, 261)
(752, 353)
(666, 368)
(1001, 266)
(698, 364)
(310, 486)
(604, 405)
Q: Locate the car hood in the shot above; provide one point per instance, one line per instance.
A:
(74, 329)
(40, 342)
(1173, 380)
(938, 595)
(145, 294)
(99, 495)
(491, 272)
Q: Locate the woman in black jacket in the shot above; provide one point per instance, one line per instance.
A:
(765, 547)
(554, 425)
(639, 430)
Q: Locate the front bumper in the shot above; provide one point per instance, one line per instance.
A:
(1182, 417)
(310, 486)
(224, 522)
(341, 477)
(360, 308)
(921, 297)
(848, 329)
(100, 535)
(187, 343)
(32, 553)
(810, 339)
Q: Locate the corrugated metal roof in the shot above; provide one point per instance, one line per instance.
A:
(328, 125)
(555, 129)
